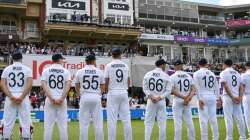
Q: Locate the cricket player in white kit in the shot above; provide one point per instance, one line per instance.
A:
(208, 95)
(183, 91)
(90, 84)
(246, 97)
(117, 82)
(157, 86)
(232, 98)
(16, 83)
(56, 82)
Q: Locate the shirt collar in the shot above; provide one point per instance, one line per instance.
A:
(229, 68)
(58, 65)
(158, 69)
(203, 68)
(178, 71)
(17, 63)
(116, 59)
(90, 66)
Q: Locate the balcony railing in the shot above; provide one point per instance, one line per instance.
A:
(33, 34)
(13, 1)
(93, 21)
(8, 29)
(213, 18)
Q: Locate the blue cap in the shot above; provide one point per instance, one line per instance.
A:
(202, 61)
(116, 51)
(178, 62)
(17, 56)
(228, 62)
(90, 57)
(160, 62)
(57, 57)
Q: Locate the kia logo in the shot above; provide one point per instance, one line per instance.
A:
(117, 6)
(66, 4)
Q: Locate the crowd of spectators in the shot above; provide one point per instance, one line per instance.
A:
(164, 31)
(176, 31)
(239, 35)
(74, 50)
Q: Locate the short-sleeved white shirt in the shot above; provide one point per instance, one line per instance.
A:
(182, 82)
(56, 77)
(206, 84)
(245, 80)
(90, 79)
(118, 74)
(157, 83)
(16, 77)
(233, 80)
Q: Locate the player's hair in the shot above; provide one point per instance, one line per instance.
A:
(116, 55)
(88, 62)
(55, 61)
(228, 62)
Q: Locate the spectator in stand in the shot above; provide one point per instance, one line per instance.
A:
(134, 102)
(71, 96)
(2, 98)
(242, 69)
(33, 99)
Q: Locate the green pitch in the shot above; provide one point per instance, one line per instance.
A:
(138, 131)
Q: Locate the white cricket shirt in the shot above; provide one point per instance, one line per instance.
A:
(16, 77)
(233, 80)
(90, 79)
(206, 84)
(157, 83)
(56, 77)
(182, 82)
(118, 74)
(245, 80)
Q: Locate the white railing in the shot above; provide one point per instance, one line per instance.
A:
(216, 18)
(28, 34)
(8, 29)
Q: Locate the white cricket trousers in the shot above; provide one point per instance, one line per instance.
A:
(208, 114)
(91, 109)
(52, 114)
(155, 111)
(246, 105)
(118, 104)
(233, 111)
(182, 112)
(9, 118)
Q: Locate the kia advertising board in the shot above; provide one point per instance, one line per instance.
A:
(73, 63)
(119, 9)
(118, 6)
(74, 5)
(67, 7)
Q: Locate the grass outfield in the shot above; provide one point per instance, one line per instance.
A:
(138, 131)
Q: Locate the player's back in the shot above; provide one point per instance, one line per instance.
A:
(182, 81)
(233, 80)
(56, 76)
(16, 76)
(246, 81)
(90, 79)
(118, 74)
(155, 82)
(205, 81)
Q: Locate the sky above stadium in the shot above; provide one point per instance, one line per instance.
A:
(223, 2)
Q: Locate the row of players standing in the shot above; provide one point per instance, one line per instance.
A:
(90, 83)
(157, 85)
(16, 82)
